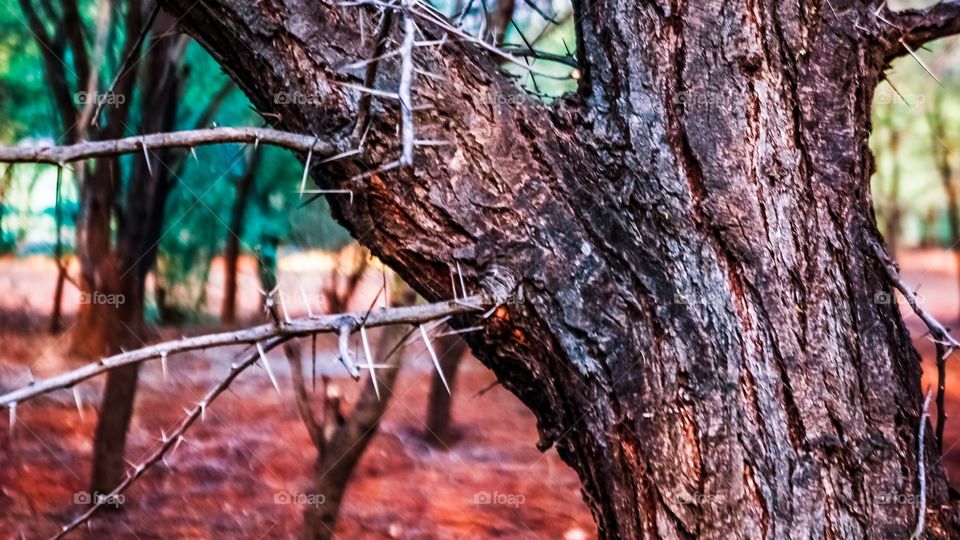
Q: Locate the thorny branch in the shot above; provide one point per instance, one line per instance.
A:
(173, 440)
(307, 326)
(58, 155)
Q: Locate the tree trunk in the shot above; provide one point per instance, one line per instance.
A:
(693, 232)
(231, 255)
(347, 438)
(450, 352)
(139, 231)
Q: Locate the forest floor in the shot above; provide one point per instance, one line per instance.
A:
(226, 480)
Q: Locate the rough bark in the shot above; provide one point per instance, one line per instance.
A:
(699, 335)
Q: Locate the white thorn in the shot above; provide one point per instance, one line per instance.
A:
(463, 288)
(920, 61)
(193, 152)
(13, 416)
(203, 411)
(306, 169)
(163, 364)
(163, 437)
(176, 445)
(433, 355)
(366, 350)
(266, 365)
(76, 398)
(146, 157)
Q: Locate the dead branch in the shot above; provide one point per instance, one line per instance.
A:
(937, 331)
(413, 315)
(58, 155)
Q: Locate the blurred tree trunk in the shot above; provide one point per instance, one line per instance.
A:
(450, 351)
(342, 439)
(123, 271)
(942, 156)
(892, 211)
(231, 255)
(693, 232)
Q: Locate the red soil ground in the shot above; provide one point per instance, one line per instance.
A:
(224, 481)
(252, 449)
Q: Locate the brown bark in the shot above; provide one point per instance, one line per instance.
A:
(699, 335)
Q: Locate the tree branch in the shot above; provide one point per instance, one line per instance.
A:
(414, 315)
(914, 27)
(57, 155)
(171, 441)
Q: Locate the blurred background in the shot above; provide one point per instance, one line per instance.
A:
(226, 222)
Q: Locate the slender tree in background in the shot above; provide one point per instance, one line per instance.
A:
(231, 254)
(943, 158)
(891, 205)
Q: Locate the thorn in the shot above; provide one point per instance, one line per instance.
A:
(433, 356)
(76, 398)
(146, 157)
(163, 364)
(919, 61)
(203, 411)
(463, 288)
(13, 416)
(313, 350)
(163, 437)
(193, 152)
(366, 350)
(176, 445)
(306, 169)
(266, 365)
